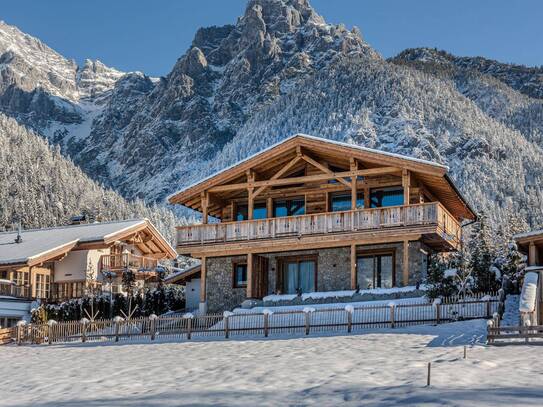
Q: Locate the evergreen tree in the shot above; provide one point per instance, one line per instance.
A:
(483, 254)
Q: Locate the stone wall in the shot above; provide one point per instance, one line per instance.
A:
(220, 290)
(333, 272)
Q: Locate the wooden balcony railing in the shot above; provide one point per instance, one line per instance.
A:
(117, 262)
(432, 213)
(17, 291)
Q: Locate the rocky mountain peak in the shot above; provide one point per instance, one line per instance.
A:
(94, 79)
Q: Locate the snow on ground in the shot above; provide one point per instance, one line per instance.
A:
(381, 368)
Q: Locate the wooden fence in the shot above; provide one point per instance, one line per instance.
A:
(513, 335)
(266, 323)
(7, 335)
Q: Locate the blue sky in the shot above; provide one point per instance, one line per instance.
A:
(150, 35)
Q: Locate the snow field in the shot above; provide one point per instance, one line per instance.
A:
(375, 369)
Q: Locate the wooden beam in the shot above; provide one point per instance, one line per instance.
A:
(204, 197)
(250, 288)
(279, 174)
(250, 193)
(533, 259)
(405, 263)
(406, 183)
(269, 207)
(308, 178)
(353, 267)
(354, 167)
(203, 278)
(324, 169)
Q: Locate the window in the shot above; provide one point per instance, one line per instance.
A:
(341, 201)
(21, 278)
(299, 276)
(289, 207)
(240, 275)
(259, 211)
(42, 286)
(380, 197)
(376, 270)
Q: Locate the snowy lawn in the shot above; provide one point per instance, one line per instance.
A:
(378, 368)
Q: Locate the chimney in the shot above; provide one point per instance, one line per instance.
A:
(19, 238)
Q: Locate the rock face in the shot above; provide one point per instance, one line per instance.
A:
(279, 70)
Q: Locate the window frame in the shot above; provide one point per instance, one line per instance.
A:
(347, 193)
(374, 253)
(398, 187)
(288, 205)
(282, 268)
(235, 265)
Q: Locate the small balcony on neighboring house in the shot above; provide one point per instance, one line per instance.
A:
(9, 288)
(141, 265)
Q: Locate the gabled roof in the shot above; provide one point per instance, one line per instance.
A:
(429, 172)
(40, 245)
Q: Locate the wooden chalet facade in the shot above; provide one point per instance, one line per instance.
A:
(56, 264)
(310, 214)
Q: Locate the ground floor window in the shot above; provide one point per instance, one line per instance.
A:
(376, 270)
(240, 275)
(299, 275)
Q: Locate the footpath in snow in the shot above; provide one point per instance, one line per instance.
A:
(379, 368)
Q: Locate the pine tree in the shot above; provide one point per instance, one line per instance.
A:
(483, 254)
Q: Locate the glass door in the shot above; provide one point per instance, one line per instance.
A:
(299, 276)
(376, 271)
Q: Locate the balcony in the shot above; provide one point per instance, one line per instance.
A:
(426, 218)
(16, 291)
(120, 262)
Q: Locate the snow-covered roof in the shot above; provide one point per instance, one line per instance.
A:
(180, 274)
(320, 139)
(533, 233)
(39, 242)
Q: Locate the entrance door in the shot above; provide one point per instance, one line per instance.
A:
(299, 275)
(376, 271)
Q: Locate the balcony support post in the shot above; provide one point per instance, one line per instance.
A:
(250, 194)
(532, 255)
(405, 263)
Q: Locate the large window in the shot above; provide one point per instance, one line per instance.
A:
(299, 276)
(380, 197)
(376, 270)
(42, 286)
(259, 211)
(289, 207)
(240, 275)
(341, 201)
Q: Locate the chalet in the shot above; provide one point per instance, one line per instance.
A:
(59, 263)
(310, 214)
(531, 244)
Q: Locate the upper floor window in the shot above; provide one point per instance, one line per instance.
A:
(380, 197)
(259, 211)
(341, 201)
(289, 207)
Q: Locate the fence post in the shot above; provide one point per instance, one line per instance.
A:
(392, 305)
(349, 309)
(152, 325)
(266, 324)
(117, 320)
(489, 325)
(226, 318)
(437, 305)
(487, 298)
(188, 316)
(21, 325)
(84, 322)
(50, 325)
(307, 312)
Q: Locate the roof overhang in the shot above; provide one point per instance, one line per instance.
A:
(430, 171)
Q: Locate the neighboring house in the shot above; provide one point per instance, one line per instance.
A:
(531, 244)
(310, 214)
(190, 278)
(60, 263)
